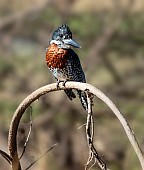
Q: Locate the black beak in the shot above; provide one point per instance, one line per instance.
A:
(72, 43)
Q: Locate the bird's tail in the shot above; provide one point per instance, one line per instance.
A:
(70, 94)
(83, 99)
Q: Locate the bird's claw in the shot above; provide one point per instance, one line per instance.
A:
(64, 82)
(58, 82)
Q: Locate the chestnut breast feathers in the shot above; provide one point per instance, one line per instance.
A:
(56, 57)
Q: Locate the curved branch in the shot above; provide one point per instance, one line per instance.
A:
(12, 144)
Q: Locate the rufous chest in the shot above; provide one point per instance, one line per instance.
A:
(56, 57)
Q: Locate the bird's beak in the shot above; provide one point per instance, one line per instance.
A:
(72, 43)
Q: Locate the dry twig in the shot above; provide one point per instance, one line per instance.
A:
(93, 154)
(52, 147)
(6, 156)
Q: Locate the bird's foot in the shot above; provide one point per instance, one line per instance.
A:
(64, 82)
(58, 82)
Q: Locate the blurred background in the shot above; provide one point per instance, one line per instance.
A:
(111, 33)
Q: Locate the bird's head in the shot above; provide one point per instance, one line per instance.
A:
(62, 37)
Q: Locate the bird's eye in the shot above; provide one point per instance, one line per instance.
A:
(61, 35)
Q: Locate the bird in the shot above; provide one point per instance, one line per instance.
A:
(64, 63)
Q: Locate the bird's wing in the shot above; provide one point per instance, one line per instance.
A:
(74, 68)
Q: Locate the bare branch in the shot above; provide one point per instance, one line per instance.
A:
(93, 154)
(28, 136)
(12, 143)
(6, 156)
(15, 162)
(52, 147)
(81, 126)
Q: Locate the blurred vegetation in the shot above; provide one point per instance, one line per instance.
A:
(117, 68)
